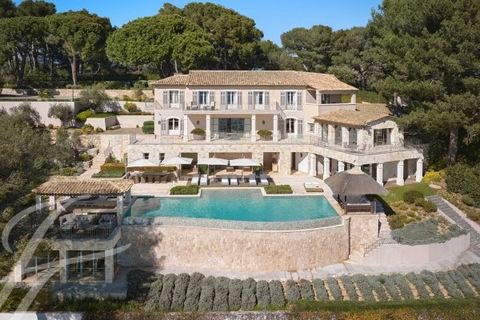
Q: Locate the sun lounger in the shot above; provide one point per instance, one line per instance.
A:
(263, 180)
(204, 180)
(252, 180)
(313, 187)
(195, 180)
(225, 181)
(234, 181)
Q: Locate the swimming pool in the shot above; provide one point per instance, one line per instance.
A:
(235, 204)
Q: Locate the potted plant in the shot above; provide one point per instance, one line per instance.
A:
(265, 134)
(198, 133)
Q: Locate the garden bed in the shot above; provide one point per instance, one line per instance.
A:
(278, 189)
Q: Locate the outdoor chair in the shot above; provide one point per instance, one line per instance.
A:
(225, 181)
(204, 180)
(263, 180)
(252, 180)
(195, 180)
(234, 181)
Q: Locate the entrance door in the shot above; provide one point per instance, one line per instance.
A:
(173, 127)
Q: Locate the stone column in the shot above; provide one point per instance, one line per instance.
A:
(313, 164)
(185, 128)
(345, 137)
(331, 134)
(119, 208)
(208, 134)
(317, 129)
(380, 173)
(63, 263)
(253, 134)
(419, 172)
(400, 180)
(109, 266)
(275, 128)
(52, 203)
(38, 203)
(341, 166)
(353, 99)
(326, 168)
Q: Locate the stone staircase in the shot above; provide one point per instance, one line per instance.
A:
(384, 235)
(461, 221)
(97, 162)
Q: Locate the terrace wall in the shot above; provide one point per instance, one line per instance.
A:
(197, 248)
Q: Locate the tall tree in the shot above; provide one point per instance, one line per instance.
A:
(165, 41)
(430, 55)
(312, 46)
(81, 36)
(36, 8)
(234, 37)
(7, 9)
(275, 58)
(19, 36)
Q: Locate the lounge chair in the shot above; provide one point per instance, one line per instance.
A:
(263, 180)
(204, 180)
(195, 180)
(313, 187)
(252, 180)
(234, 181)
(225, 181)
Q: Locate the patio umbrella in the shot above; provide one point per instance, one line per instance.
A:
(244, 162)
(354, 182)
(177, 161)
(213, 161)
(142, 163)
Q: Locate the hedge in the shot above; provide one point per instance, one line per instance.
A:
(220, 301)
(180, 291)
(402, 286)
(365, 290)
(306, 290)
(153, 298)
(193, 292)
(334, 288)
(432, 282)
(138, 284)
(349, 287)
(206, 296)
(148, 127)
(390, 287)
(320, 290)
(461, 283)
(472, 274)
(419, 284)
(184, 190)
(464, 179)
(263, 294)
(377, 286)
(112, 166)
(292, 292)
(249, 299)
(449, 285)
(277, 296)
(165, 300)
(235, 294)
(412, 195)
(278, 189)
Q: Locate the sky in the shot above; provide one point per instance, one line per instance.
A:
(273, 17)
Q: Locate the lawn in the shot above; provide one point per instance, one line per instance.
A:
(109, 174)
(396, 193)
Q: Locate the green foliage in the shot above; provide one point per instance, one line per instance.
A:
(249, 299)
(130, 107)
(320, 290)
(277, 297)
(109, 174)
(165, 299)
(63, 112)
(206, 296)
(292, 292)
(198, 132)
(419, 284)
(235, 294)
(264, 134)
(180, 291)
(464, 179)
(429, 278)
(334, 288)
(148, 127)
(36, 8)
(153, 298)
(396, 193)
(138, 284)
(95, 98)
(468, 201)
(448, 284)
(184, 190)
(425, 232)
(433, 176)
(67, 171)
(278, 189)
(263, 294)
(306, 290)
(363, 285)
(84, 115)
(193, 292)
(349, 287)
(411, 196)
(220, 301)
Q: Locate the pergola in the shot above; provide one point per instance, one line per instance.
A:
(77, 188)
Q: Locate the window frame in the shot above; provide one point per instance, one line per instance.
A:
(290, 125)
(206, 97)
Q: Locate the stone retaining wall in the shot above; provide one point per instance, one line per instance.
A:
(200, 248)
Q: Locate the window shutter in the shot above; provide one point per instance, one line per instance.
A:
(250, 100)
(182, 99)
(181, 126)
(195, 98)
(212, 97)
(266, 99)
(223, 98)
(299, 100)
(165, 98)
(281, 126)
(300, 127)
(163, 126)
(239, 99)
(283, 99)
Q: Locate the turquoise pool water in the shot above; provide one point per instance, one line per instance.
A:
(241, 205)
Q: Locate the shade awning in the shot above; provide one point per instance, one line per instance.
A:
(213, 161)
(176, 161)
(354, 182)
(244, 162)
(143, 163)
(84, 187)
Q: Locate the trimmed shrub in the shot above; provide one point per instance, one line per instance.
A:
(206, 296)
(334, 288)
(464, 179)
(184, 190)
(390, 286)
(468, 201)
(419, 284)
(277, 297)
(471, 272)
(377, 285)
(84, 115)
(193, 292)
(402, 286)
(130, 107)
(248, 294)
(220, 301)
(87, 129)
(278, 189)
(110, 167)
(292, 292)
(433, 176)
(138, 284)
(148, 127)
(448, 284)
(412, 195)
(349, 287)
(365, 289)
(432, 282)
(263, 294)
(198, 132)
(165, 300)
(320, 290)
(153, 298)
(180, 291)
(461, 283)
(265, 134)
(234, 294)
(306, 290)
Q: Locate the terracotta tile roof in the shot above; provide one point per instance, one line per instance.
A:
(352, 118)
(83, 187)
(284, 78)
